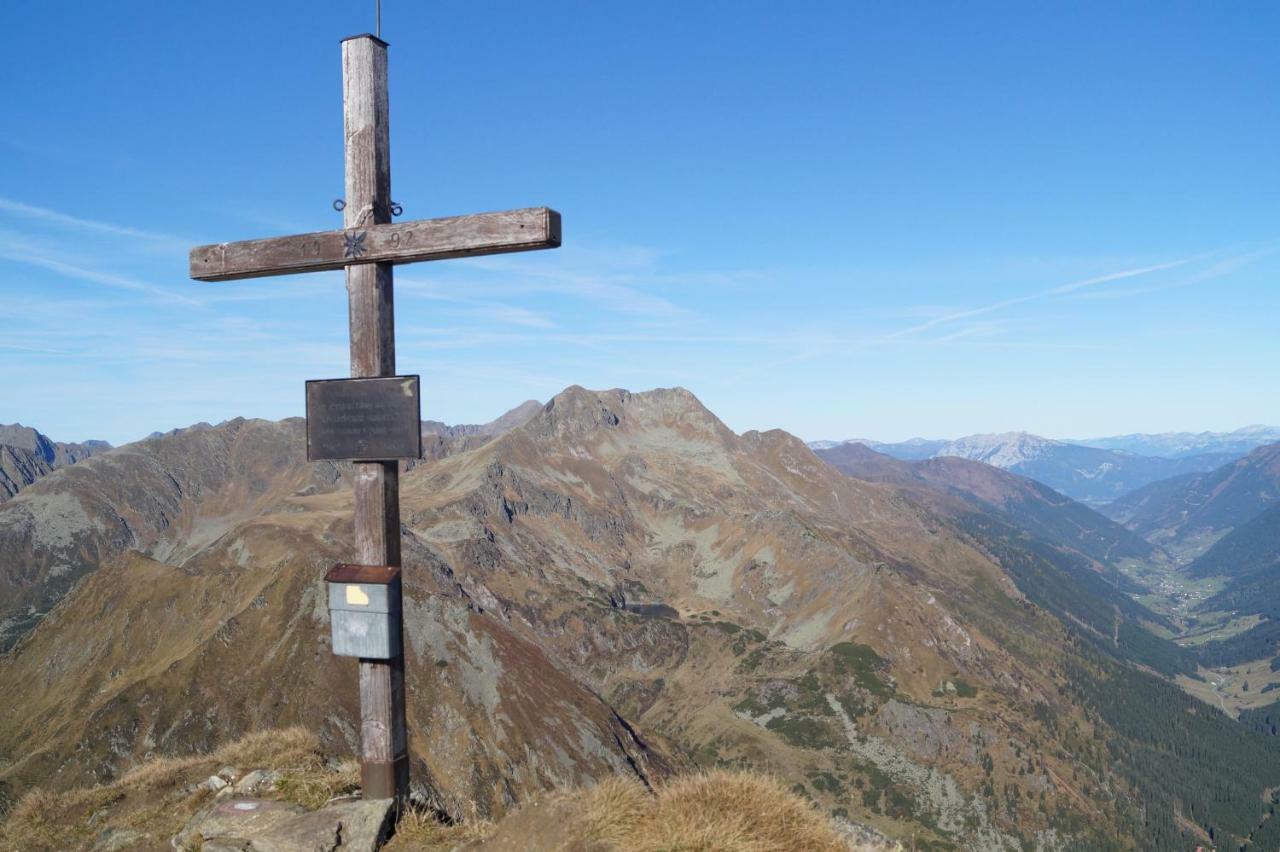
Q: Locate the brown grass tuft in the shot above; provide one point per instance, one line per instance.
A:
(422, 832)
(714, 812)
(269, 749)
(253, 751)
(721, 811)
(611, 811)
(154, 797)
(39, 821)
(311, 783)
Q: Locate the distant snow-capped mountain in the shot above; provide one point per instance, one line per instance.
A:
(1006, 450)
(1091, 475)
(1181, 444)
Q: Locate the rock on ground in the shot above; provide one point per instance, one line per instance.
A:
(260, 825)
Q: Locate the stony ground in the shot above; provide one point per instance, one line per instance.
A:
(294, 798)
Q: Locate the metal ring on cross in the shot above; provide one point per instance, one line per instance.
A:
(396, 209)
(339, 204)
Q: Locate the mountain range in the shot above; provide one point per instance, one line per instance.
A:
(1223, 524)
(1026, 503)
(618, 583)
(1088, 473)
(1192, 511)
(1175, 445)
(26, 455)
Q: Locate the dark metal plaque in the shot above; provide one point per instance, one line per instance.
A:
(364, 419)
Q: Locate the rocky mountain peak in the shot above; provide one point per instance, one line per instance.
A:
(577, 412)
(27, 455)
(517, 416)
(606, 589)
(26, 438)
(1004, 449)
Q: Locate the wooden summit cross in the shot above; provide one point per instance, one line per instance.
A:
(366, 248)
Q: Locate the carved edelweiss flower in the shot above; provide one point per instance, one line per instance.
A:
(354, 246)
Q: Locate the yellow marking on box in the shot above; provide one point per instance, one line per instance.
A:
(357, 596)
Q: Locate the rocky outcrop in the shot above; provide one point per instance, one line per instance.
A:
(26, 455)
(238, 824)
(620, 585)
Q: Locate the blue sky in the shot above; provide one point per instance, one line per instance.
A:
(840, 219)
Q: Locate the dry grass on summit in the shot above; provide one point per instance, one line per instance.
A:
(714, 812)
(151, 802)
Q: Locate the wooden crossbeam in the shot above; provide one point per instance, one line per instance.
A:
(528, 229)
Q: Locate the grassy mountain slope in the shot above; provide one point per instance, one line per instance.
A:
(1045, 513)
(1248, 551)
(168, 497)
(620, 573)
(164, 798)
(1250, 556)
(1191, 512)
(1085, 473)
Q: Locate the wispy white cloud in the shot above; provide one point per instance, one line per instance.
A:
(30, 211)
(1060, 290)
(620, 281)
(1219, 269)
(595, 288)
(479, 309)
(1228, 265)
(109, 279)
(35, 349)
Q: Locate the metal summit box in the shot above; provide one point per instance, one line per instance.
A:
(364, 611)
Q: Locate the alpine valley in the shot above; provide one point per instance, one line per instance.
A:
(934, 646)
(1095, 471)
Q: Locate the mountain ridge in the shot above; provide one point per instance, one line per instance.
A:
(1160, 444)
(1179, 444)
(27, 454)
(1081, 527)
(1087, 474)
(1193, 511)
(621, 581)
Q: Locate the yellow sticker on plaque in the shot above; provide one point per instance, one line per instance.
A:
(357, 596)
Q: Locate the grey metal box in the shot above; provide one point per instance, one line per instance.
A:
(364, 611)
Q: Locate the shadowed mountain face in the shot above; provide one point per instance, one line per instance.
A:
(1085, 473)
(621, 584)
(1236, 513)
(26, 455)
(1025, 502)
(199, 613)
(1191, 512)
(167, 497)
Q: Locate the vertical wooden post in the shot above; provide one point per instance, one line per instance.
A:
(384, 752)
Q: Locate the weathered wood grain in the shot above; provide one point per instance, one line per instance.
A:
(364, 241)
(367, 247)
(383, 735)
(384, 752)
